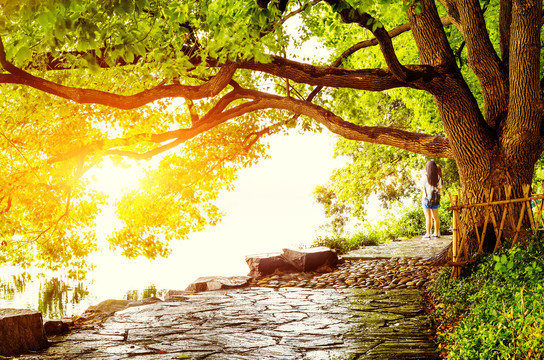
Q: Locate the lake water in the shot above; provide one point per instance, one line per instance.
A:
(115, 277)
(272, 207)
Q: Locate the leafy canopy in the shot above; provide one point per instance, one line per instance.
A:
(198, 86)
(47, 204)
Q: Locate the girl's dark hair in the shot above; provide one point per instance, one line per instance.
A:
(432, 173)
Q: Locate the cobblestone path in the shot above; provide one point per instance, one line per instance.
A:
(280, 322)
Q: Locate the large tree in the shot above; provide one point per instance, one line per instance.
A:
(201, 83)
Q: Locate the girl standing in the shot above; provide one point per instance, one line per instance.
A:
(431, 180)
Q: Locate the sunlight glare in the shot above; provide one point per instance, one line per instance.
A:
(115, 180)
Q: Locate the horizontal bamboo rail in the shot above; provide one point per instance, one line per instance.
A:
(508, 214)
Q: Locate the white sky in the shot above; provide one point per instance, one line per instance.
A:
(272, 207)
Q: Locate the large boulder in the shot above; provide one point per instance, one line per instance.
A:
(208, 283)
(268, 263)
(21, 331)
(313, 259)
(57, 327)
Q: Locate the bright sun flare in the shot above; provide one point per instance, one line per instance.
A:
(115, 180)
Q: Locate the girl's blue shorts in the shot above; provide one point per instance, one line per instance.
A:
(424, 205)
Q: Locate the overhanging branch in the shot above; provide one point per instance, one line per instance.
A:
(91, 96)
(256, 100)
(349, 15)
(433, 146)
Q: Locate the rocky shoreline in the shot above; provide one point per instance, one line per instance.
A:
(367, 305)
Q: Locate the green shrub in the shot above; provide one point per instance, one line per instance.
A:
(411, 221)
(342, 244)
(338, 243)
(501, 302)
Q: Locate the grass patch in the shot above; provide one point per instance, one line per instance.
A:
(497, 312)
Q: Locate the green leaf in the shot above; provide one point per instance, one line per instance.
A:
(45, 19)
(23, 54)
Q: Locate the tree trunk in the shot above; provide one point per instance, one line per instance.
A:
(499, 176)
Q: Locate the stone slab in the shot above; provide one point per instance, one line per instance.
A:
(260, 323)
(311, 259)
(210, 283)
(267, 263)
(21, 331)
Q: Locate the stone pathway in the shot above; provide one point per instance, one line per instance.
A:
(395, 265)
(258, 323)
(343, 319)
(414, 248)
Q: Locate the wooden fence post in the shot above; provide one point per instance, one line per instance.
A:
(455, 248)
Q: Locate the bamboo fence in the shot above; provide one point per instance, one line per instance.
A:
(500, 210)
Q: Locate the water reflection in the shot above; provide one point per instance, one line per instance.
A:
(56, 294)
(150, 291)
(17, 285)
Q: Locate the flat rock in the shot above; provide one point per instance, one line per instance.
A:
(291, 261)
(21, 331)
(310, 259)
(210, 283)
(111, 306)
(56, 327)
(268, 263)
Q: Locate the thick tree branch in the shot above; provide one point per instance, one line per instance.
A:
(349, 15)
(505, 19)
(420, 77)
(168, 140)
(424, 144)
(525, 113)
(367, 43)
(431, 41)
(484, 61)
(415, 142)
(446, 21)
(457, 106)
(86, 96)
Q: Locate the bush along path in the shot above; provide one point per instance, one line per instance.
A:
(365, 309)
(496, 311)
